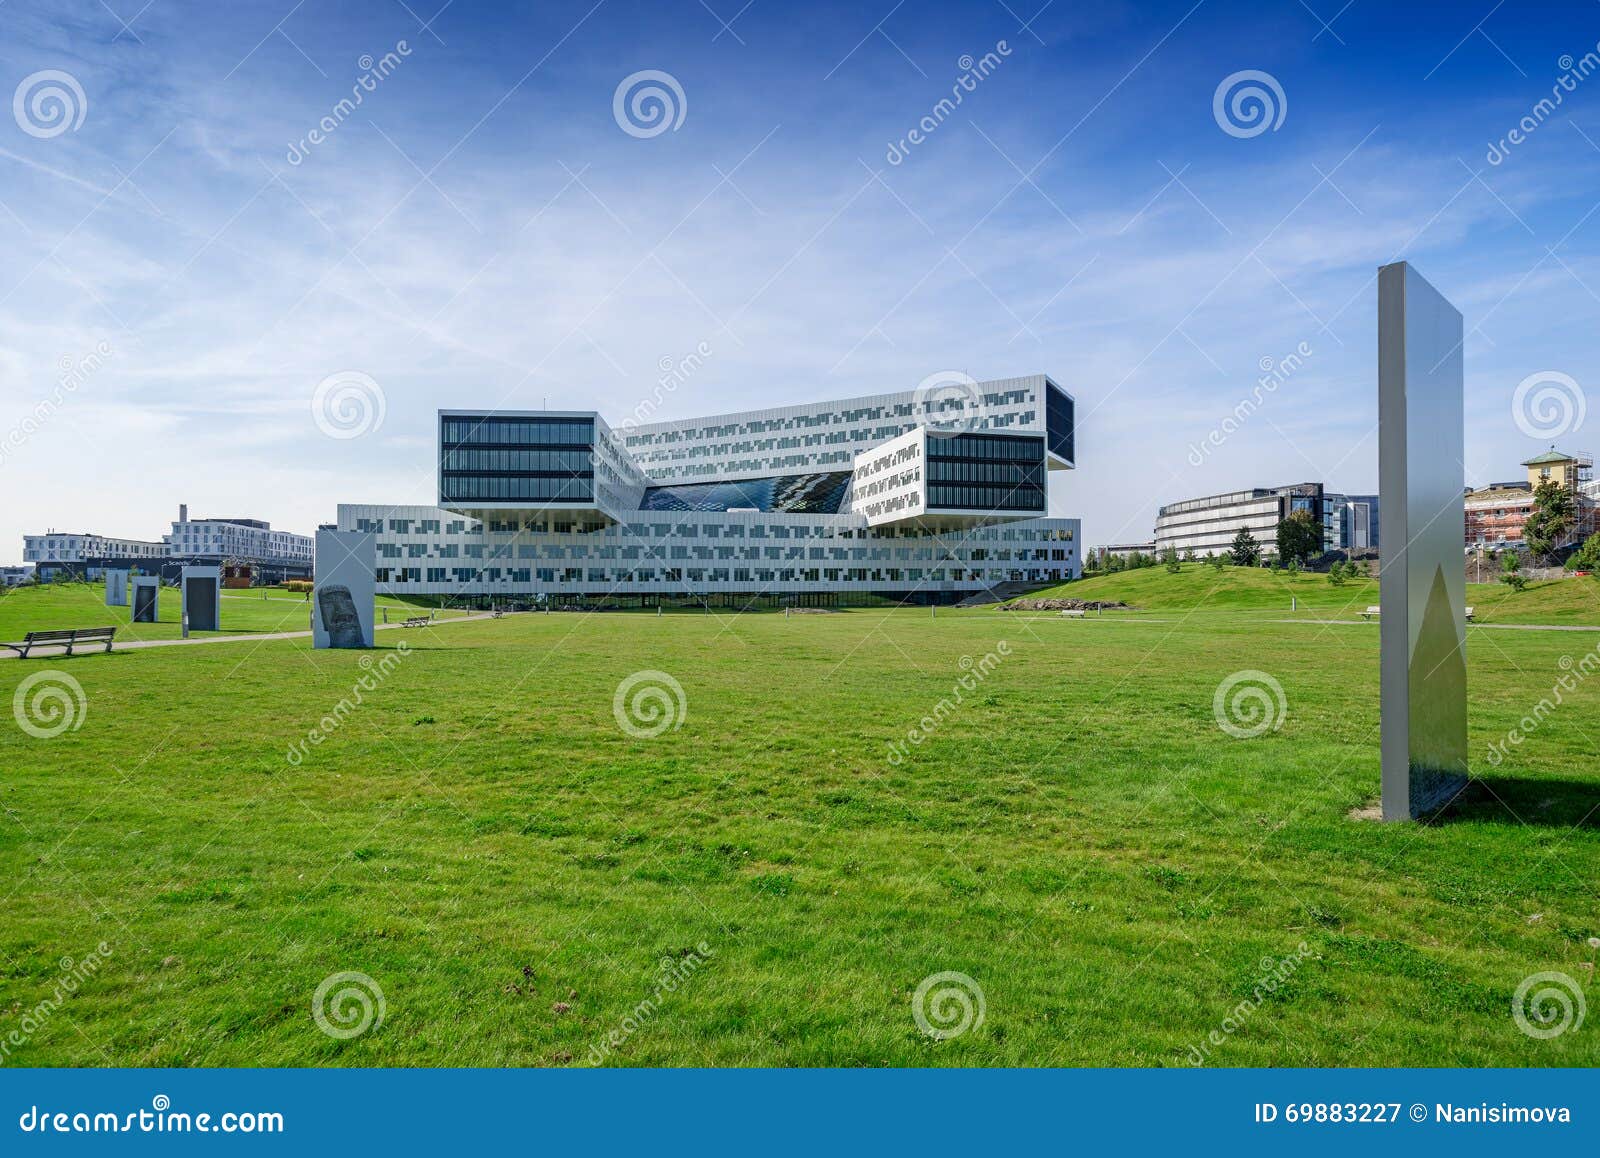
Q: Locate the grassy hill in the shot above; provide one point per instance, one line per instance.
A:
(1197, 586)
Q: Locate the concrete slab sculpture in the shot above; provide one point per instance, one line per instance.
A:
(116, 589)
(1422, 587)
(344, 591)
(146, 598)
(202, 598)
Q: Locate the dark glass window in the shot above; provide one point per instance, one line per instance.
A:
(990, 472)
(1059, 423)
(493, 458)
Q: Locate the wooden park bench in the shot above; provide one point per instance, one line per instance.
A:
(1469, 614)
(497, 614)
(417, 621)
(1070, 613)
(68, 636)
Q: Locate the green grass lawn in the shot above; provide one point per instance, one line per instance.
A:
(63, 605)
(1197, 586)
(513, 869)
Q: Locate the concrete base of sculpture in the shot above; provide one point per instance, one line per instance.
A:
(202, 598)
(146, 598)
(345, 590)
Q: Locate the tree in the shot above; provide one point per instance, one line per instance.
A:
(1299, 537)
(1246, 551)
(1170, 558)
(1336, 574)
(1511, 571)
(1188, 555)
(1550, 521)
(1587, 557)
(1217, 561)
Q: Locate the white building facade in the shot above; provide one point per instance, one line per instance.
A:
(923, 496)
(86, 554)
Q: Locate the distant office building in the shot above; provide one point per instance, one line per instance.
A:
(1208, 525)
(1349, 522)
(1124, 550)
(274, 555)
(1496, 514)
(87, 555)
(271, 556)
(15, 576)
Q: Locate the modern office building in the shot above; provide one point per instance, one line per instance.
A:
(1496, 514)
(272, 555)
(1208, 525)
(15, 576)
(926, 496)
(1125, 550)
(87, 555)
(1350, 522)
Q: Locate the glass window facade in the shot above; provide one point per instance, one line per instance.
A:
(490, 458)
(1059, 424)
(994, 472)
(799, 494)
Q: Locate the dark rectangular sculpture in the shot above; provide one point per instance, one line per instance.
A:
(1423, 579)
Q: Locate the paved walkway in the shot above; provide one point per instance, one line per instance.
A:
(1479, 626)
(132, 644)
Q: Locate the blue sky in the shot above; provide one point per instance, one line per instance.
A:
(481, 231)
